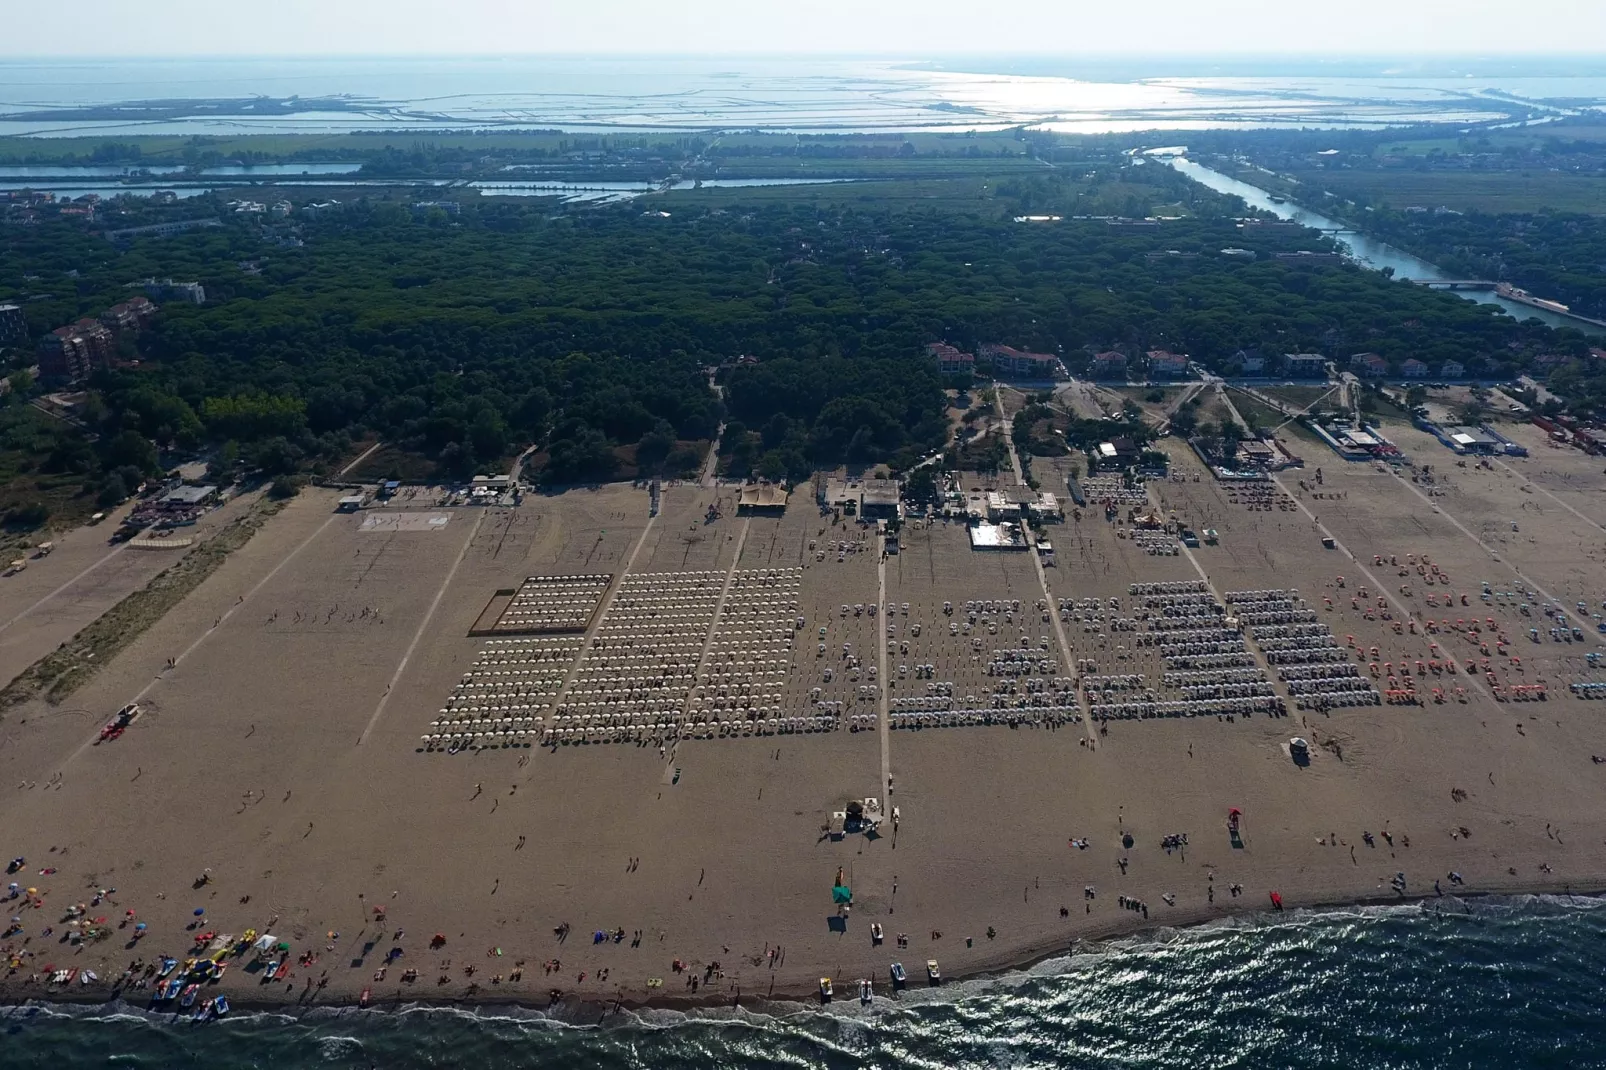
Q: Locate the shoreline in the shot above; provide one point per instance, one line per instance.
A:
(581, 1008)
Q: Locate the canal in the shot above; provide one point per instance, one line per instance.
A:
(1368, 252)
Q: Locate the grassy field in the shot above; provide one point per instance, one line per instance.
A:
(171, 149)
(1504, 191)
(874, 166)
(1494, 140)
(955, 149)
(1258, 412)
(1004, 143)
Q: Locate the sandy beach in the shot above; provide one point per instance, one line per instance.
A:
(282, 757)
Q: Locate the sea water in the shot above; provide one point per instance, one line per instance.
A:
(1500, 983)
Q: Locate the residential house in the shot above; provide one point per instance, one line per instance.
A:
(1008, 361)
(130, 315)
(1412, 368)
(1108, 365)
(1304, 365)
(71, 354)
(13, 325)
(1249, 361)
(1370, 365)
(1452, 369)
(951, 361)
(1167, 365)
(193, 292)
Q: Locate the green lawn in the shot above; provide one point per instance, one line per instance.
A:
(1263, 415)
(1298, 396)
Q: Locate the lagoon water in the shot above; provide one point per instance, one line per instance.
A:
(45, 97)
(1513, 984)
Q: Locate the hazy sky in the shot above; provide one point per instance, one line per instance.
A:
(886, 27)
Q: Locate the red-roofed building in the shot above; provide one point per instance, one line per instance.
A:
(1164, 364)
(1371, 365)
(1413, 369)
(1108, 365)
(1007, 360)
(130, 315)
(951, 361)
(71, 354)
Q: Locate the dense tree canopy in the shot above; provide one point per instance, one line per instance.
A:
(589, 332)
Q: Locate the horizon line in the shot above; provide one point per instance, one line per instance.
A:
(1593, 52)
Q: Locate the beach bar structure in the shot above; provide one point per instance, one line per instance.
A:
(1358, 442)
(985, 535)
(1482, 440)
(761, 499)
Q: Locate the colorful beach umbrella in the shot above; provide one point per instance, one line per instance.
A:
(841, 894)
(199, 911)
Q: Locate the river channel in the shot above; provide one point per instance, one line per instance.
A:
(1368, 252)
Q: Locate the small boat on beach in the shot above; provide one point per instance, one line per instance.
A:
(866, 990)
(933, 974)
(899, 978)
(187, 1000)
(876, 934)
(825, 990)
